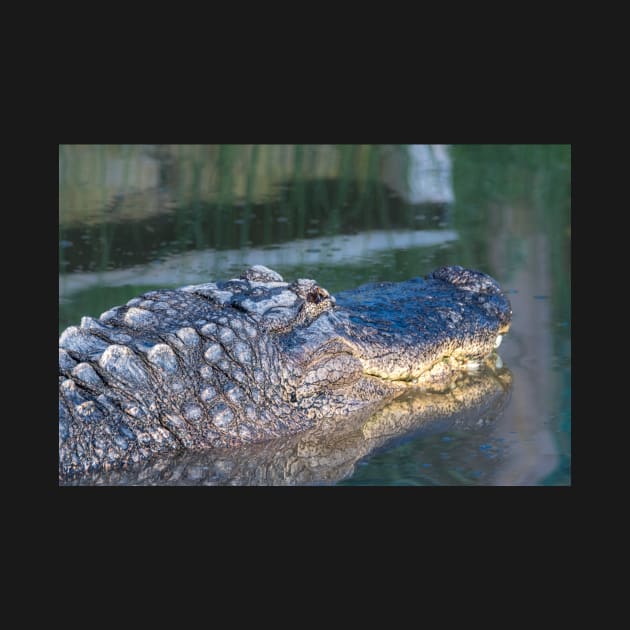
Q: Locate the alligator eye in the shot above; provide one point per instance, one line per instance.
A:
(317, 295)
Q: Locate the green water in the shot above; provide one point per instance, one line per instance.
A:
(139, 217)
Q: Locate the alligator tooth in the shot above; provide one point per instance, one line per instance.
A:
(472, 365)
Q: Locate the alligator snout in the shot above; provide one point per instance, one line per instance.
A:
(483, 284)
(426, 327)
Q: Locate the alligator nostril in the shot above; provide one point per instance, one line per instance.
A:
(467, 279)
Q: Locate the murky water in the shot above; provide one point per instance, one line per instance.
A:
(135, 218)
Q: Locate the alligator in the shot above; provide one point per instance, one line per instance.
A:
(227, 364)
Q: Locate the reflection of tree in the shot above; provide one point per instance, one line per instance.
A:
(92, 175)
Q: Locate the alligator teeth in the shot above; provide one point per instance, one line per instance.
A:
(498, 341)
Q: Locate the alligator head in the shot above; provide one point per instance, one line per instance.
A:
(224, 364)
(384, 337)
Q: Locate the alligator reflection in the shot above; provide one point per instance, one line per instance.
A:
(331, 451)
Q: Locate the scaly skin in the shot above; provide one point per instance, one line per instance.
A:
(248, 360)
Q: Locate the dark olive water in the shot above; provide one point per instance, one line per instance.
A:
(139, 217)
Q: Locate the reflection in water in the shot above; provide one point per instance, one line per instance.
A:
(470, 411)
(422, 175)
(524, 235)
(528, 352)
